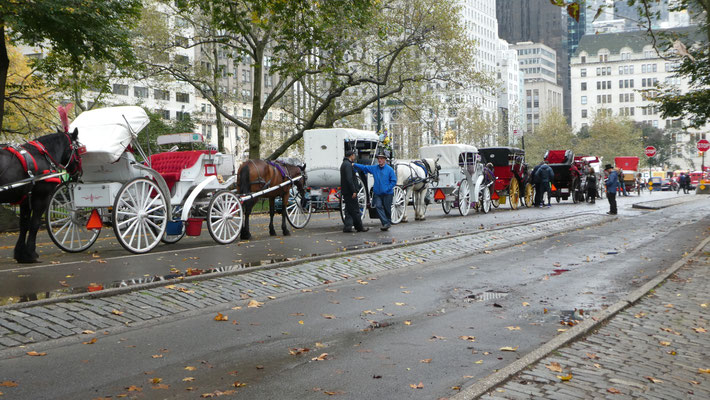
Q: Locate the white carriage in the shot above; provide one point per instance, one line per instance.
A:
(145, 202)
(461, 177)
(324, 150)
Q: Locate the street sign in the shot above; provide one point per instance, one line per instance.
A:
(703, 145)
(650, 151)
(515, 133)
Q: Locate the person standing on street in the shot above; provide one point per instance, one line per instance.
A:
(348, 190)
(591, 185)
(681, 181)
(384, 182)
(612, 185)
(545, 175)
(536, 183)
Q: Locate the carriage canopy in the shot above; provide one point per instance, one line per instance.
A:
(105, 132)
(447, 154)
(500, 156)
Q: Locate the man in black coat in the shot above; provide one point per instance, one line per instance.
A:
(536, 182)
(348, 191)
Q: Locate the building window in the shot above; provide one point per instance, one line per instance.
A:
(182, 97)
(246, 75)
(160, 94)
(584, 113)
(599, 85)
(584, 85)
(164, 114)
(140, 92)
(121, 90)
(583, 59)
(181, 115)
(583, 72)
(584, 100)
(181, 59)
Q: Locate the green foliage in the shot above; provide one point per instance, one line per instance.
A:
(661, 140)
(553, 133)
(611, 136)
(158, 127)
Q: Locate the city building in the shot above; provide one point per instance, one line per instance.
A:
(510, 85)
(542, 93)
(539, 22)
(616, 74)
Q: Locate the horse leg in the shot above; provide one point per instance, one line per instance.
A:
(407, 193)
(420, 201)
(245, 234)
(39, 204)
(284, 210)
(272, 211)
(25, 215)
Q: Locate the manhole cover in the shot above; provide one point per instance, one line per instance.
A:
(487, 295)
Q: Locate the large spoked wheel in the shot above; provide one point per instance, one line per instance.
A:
(575, 191)
(424, 205)
(66, 224)
(299, 209)
(399, 202)
(446, 206)
(485, 199)
(529, 194)
(514, 193)
(171, 239)
(361, 201)
(139, 215)
(225, 217)
(464, 197)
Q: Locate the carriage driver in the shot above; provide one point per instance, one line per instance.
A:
(384, 182)
(349, 189)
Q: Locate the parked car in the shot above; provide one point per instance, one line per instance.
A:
(656, 184)
(669, 184)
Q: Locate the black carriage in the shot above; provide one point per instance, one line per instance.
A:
(566, 182)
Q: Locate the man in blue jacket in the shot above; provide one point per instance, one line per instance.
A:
(384, 182)
(612, 185)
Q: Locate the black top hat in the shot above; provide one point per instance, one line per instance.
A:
(608, 166)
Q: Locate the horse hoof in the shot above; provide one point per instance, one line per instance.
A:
(28, 260)
(287, 233)
(272, 233)
(245, 237)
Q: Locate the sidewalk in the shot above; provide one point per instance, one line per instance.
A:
(658, 348)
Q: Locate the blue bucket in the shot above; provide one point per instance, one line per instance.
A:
(174, 228)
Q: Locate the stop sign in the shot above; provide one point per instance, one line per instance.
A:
(703, 145)
(650, 151)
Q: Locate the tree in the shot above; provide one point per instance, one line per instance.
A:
(661, 140)
(158, 127)
(553, 133)
(85, 30)
(611, 136)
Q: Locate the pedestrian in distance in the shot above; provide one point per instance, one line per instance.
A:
(536, 184)
(612, 185)
(622, 183)
(348, 191)
(681, 179)
(591, 185)
(383, 188)
(545, 174)
(686, 184)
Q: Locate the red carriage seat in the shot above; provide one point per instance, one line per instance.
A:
(171, 164)
(559, 157)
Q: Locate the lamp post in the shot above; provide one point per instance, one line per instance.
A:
(379, 115)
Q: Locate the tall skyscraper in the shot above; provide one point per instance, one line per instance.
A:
(537, 21)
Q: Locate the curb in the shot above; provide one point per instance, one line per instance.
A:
(132, 288)
(494, 380)
(663, 203)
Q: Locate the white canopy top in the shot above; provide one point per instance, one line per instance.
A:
(180, 138)
(448, 154)
(340, 134)
(105, 131)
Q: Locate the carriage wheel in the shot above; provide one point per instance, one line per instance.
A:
(446, 206)
(485, 199)
(399, 202)
(575, 191)
(361, 201)
(298, 211)
(529, 194)
(424, 207)
(514, 193)
(170, 239)
(139, 215)
(66, 224)
(225, 217)
(464, 197)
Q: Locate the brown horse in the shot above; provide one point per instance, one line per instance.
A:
(257, 175)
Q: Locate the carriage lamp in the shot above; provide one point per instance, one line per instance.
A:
(210, 170)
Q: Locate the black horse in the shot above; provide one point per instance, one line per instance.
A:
(50, 153)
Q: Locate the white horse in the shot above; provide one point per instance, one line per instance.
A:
(414, 177)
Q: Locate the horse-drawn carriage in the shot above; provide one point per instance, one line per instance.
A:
(629, 168)
(460, 182)
(566, 182)
(511, 176)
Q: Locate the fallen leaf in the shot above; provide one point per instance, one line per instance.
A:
(189, 368)
(479, 362)
(425, 361)
(456, 387)
(298, 350)
(116, 312)
(297, 314)
(597, 366)
(554, 367)
(704, 371)
(593, 356)
(133, 388)
(320, 357)
(400, 304)
(306, 290)
(366, 312)
(652, 379)
(92, 341)
(271, 297)
(254, 304)
(508, 348)
(418, 386)
(157, 356)
(565, 378)
(331, 290)
(700, 330)
(188, 379)
(259, 367)
(36, 354)
(300, 322)
(156, 380)
(328, 316)
(668, 306)
(664, 343)
(408, 322)
(8, 384)
(239, 384)
(360, 281)
(513, 328)
(88, 332)
(526, 304)
(221, 317)
(469, 338)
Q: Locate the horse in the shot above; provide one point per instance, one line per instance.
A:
(257, 175)
(414, 178)
(25, 164)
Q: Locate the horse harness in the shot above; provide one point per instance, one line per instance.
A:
(428, 174)
(280, 168)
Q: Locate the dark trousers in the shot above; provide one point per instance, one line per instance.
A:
(540, 189)
(611, 196)
(592, 193)
(383, 204)
(352, 214)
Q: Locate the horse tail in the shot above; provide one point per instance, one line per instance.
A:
(243, 179)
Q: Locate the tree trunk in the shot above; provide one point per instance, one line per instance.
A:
(4, 68)
(220, 133)
(256, 108)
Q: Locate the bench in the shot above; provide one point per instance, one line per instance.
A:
(171, 164)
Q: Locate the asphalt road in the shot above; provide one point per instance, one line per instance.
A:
(108, 264)
(437, 327)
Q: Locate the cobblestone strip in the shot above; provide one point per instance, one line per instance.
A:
(658, 348)
(43, 322)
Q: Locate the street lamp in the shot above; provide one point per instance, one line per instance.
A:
(379, 115)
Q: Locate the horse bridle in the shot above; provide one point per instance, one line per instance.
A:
(75, 155)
